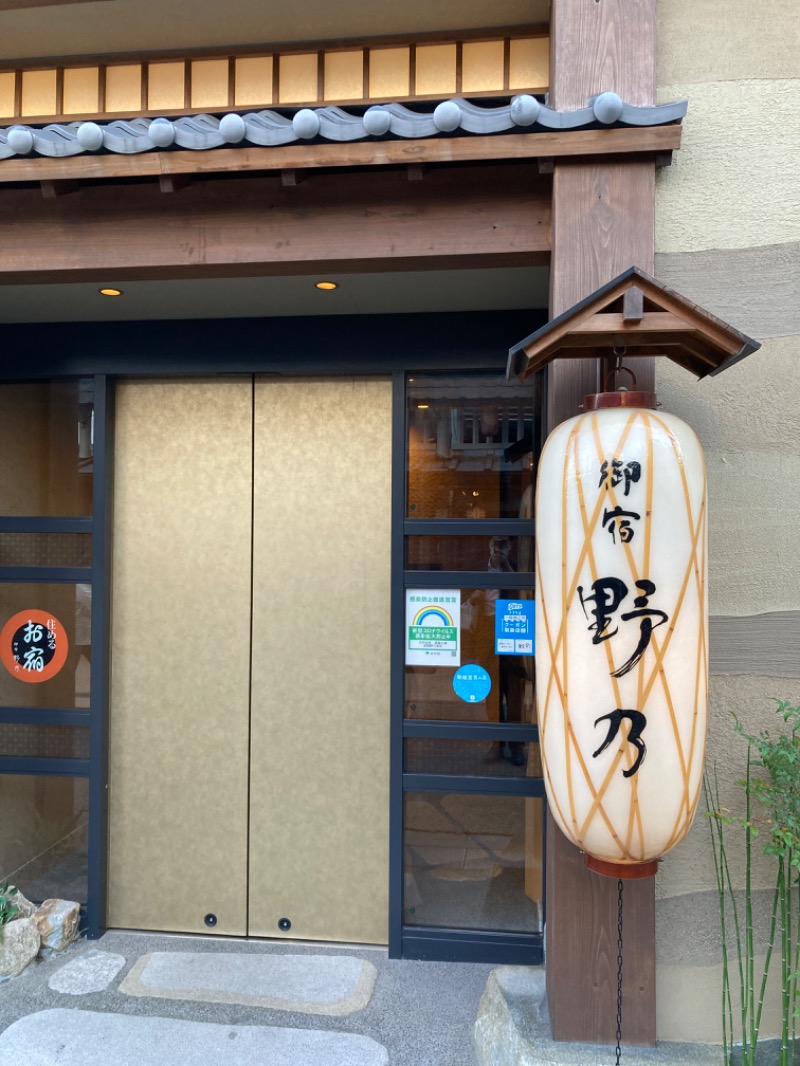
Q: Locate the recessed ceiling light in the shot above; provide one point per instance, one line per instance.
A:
(326, 286)
(423, 406)
(110, 292)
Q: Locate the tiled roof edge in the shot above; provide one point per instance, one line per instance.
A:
(269, 128)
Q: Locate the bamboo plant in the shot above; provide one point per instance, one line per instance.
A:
(772, 810)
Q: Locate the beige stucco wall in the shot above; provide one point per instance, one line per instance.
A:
(728, 236)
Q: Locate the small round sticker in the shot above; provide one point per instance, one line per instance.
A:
(472, 683)
(33, 646)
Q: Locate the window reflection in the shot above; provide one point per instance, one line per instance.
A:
(45, 549)
(498, 554)
(22, 740)
(46, 448)
(43, 846)
(473, 862)
(429, 689)
(476, 758)
(472, 444)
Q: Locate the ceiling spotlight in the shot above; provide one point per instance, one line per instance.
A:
(110, 292)
(326, 286)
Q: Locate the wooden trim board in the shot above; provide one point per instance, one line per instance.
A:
(603, 223)
(472, 216)
(516, 146)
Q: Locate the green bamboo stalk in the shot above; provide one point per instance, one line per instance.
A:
(795, 1006)
(768, 959)
(748, 903)
(716, 830)
(720, 869)
(747, 1059)
(784, 1058)
(789, 994)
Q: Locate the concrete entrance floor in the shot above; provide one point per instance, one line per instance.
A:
(185, 1000)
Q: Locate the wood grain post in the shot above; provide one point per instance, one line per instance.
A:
(603, 222)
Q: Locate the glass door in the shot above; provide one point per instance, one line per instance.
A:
(52, 661)
(468, 860)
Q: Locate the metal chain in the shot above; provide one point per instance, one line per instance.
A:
(619, 970)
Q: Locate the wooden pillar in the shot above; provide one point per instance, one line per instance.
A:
(603, 222)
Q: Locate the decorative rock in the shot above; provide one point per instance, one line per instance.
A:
(447, 116)
(25, 907)
(20, 139)
(524, 110)
(19, 946)
(57, 922)
(607, 108)
(306, 123)
(513, 1029)
(377, 121)
(92, 972)
(161, 132)
(90, 136)
(232, 128)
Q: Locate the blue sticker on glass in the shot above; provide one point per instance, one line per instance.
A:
(472, 683)
(514, 627)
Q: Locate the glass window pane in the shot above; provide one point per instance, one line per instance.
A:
(46, 444)
(22, 740)
(472, 444)
(496, 554)
(45, 549)
(43, 835)
(429, 691)
(473, 862)
(479, 758)
(45, 645)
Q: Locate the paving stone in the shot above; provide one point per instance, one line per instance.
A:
(84, 1038)
(333, 985)
(92, 972)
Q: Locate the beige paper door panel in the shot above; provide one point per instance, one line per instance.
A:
(317, 505)
(319, 848)
(180, 655)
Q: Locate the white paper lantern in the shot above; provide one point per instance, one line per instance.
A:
(622, 632)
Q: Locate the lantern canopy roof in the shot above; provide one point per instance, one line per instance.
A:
(634, 315)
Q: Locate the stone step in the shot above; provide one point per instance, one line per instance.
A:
(331, 985)
(84, 1038)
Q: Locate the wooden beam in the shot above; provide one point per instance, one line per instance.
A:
(603, 222)
(520, 146)
(647, 322)
(633, 305)
(172, 182)
(52, 189)
(461, 217)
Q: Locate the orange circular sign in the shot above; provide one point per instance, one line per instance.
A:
(33, 646)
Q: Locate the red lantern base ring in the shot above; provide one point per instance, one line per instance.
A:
(627, 871)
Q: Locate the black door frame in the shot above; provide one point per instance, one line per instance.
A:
(437, 942)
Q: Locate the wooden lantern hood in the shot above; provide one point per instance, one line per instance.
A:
(632, 316)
